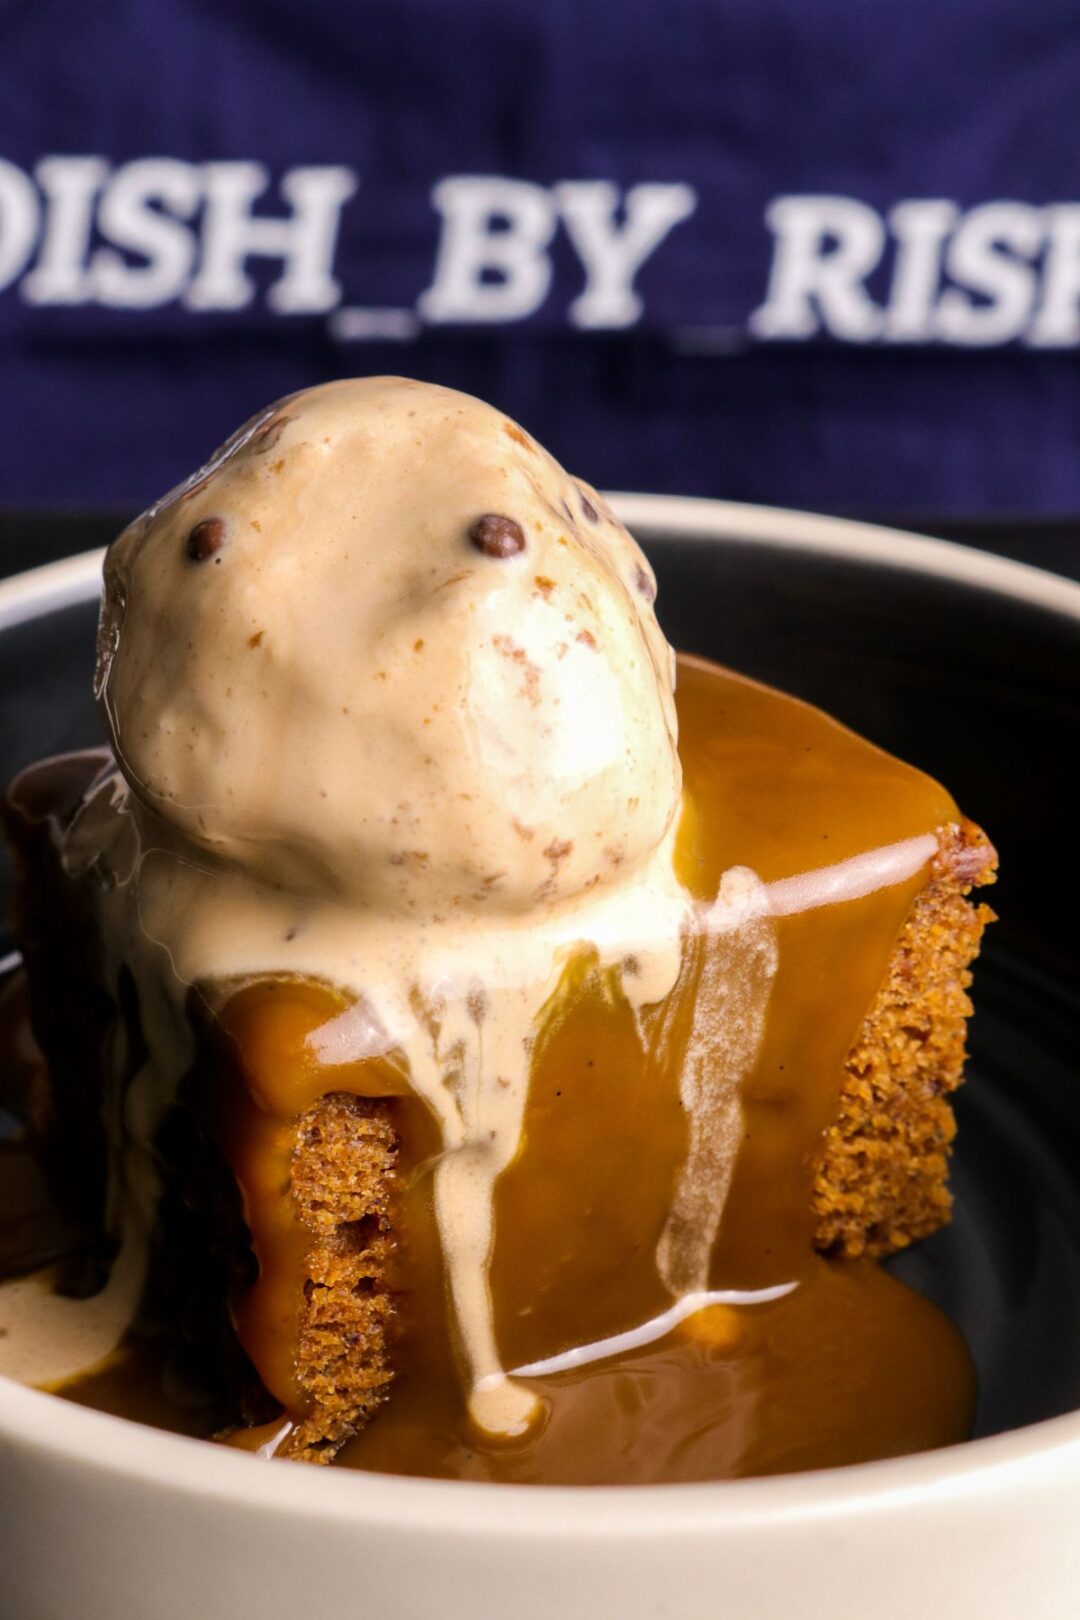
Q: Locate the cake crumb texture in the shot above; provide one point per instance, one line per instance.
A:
(343, 1187)
(881, 1181)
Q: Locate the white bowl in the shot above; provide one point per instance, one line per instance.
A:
(103, 1519)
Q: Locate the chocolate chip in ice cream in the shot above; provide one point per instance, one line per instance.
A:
(205, 539)
(645, 584)
(497, 536)
(589, 510)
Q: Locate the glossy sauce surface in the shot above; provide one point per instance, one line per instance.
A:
(846, 1366)
(850, 1365)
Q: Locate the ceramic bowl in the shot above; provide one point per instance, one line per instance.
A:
(964, 664)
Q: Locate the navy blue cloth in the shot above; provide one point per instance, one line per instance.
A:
(923, 361)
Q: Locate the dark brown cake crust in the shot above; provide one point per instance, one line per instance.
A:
(71, 1015)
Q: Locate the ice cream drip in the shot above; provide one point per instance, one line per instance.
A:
(389, 694)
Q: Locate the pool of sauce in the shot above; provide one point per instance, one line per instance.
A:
(848, 1365)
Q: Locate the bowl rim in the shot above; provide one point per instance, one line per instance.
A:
(75, 1436)
(75, 579)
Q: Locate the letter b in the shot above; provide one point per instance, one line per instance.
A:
(493, 263)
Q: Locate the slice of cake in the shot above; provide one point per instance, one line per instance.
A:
(465, 1069)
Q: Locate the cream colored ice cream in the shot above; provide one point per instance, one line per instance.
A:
(389, 693)
(316, 664)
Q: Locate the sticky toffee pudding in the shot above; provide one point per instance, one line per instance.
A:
(436, 1072)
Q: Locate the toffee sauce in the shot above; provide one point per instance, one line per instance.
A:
(847, 1366)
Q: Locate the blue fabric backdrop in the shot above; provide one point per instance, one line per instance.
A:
(821, 254)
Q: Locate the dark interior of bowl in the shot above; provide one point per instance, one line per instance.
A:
(983, 691)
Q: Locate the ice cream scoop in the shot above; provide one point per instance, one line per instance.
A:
(388, 691)
(384, 649)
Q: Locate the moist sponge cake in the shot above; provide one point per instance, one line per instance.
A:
(882, 1179)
